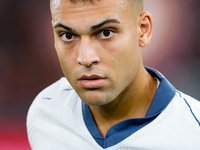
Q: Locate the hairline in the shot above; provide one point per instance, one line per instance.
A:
(139, 3)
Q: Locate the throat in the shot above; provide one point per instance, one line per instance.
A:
(123, 108)
(107, 118)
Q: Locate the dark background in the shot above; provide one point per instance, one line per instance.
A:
(28, 61)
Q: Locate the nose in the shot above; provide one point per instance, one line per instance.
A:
(87, 54)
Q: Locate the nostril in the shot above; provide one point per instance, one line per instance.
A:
(88, 57)
(87, 64)
(95, 62)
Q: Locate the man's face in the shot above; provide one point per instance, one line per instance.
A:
(98, 47)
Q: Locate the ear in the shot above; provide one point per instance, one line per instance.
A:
(146, 27)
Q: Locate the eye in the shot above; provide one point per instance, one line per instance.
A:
(67, 37)
(106, 34)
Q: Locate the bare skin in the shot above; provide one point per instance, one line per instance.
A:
(99, 49)
(134, 106)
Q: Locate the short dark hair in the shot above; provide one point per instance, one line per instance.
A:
(81, 0)
(74, 1)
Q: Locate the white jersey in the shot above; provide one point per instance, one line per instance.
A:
(59, 120)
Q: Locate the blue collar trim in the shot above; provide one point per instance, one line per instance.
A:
(122, 130)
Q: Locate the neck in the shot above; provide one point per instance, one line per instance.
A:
(133, 102)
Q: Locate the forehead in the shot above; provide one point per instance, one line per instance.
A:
(67, 10)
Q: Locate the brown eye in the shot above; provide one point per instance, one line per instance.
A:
(106, 34)
(67, 37)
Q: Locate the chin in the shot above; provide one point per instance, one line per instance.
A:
(95, 101)
(96, 97)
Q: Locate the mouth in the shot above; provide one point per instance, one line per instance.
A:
(91, 82)
(92, 77)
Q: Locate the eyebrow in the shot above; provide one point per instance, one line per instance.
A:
(104, 22)
(91, 28)
(58, 25)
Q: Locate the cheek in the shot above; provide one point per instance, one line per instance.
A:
(125, 54)
(66, 62)
(65, 68)
(66, 56)
(125, 60)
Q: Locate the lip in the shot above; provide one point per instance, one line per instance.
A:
(91, 81)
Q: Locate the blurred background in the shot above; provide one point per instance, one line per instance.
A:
(28, 61)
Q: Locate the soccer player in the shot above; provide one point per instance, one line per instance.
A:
(108, 99)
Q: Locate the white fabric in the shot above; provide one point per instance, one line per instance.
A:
(55, 122)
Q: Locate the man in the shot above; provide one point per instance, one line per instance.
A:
(108, 99)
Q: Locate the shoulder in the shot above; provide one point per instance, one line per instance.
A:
(47, 97)
(50, 91)
(192, 105)
(50, 111)
(188, 100)
(51, 95)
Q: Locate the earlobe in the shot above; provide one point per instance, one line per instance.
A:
(146, 26)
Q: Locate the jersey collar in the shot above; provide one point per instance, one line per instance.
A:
(122, 130)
